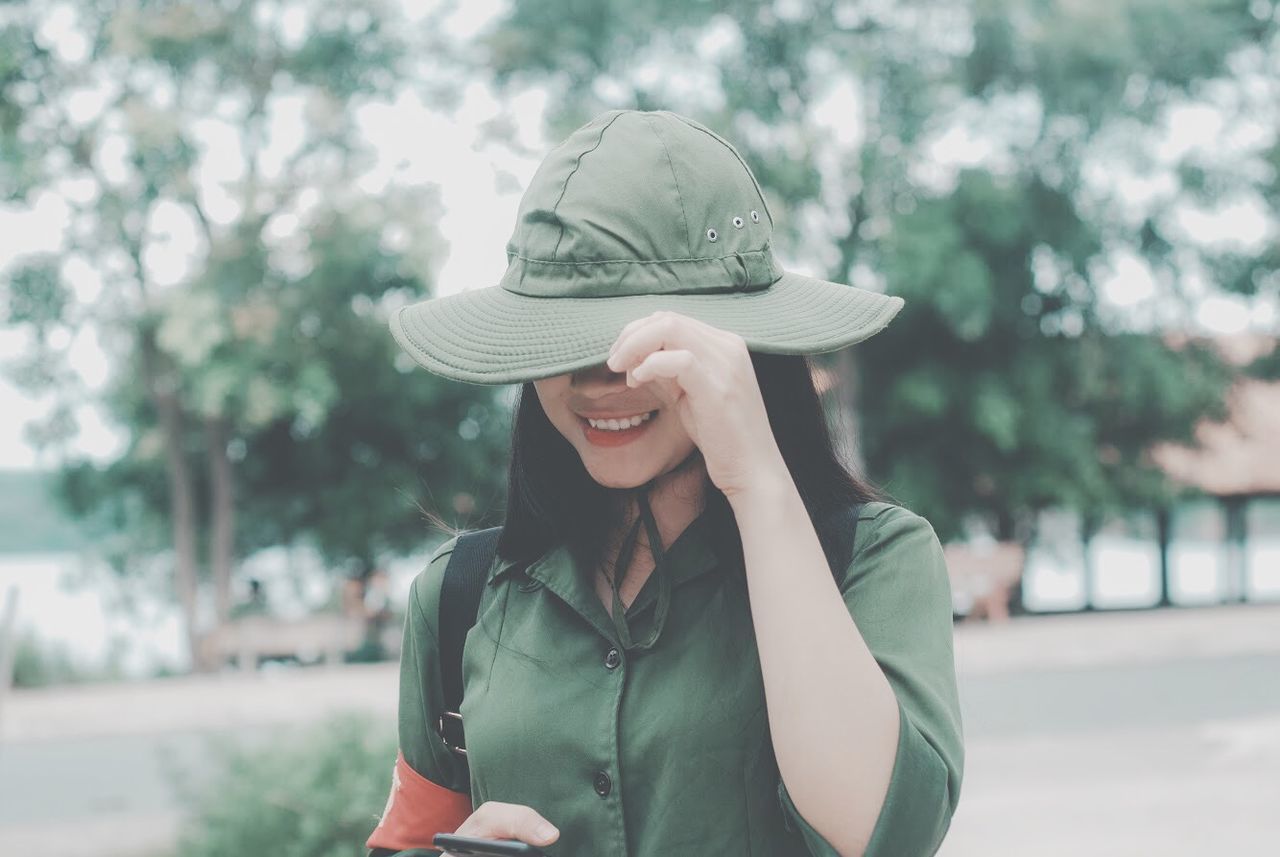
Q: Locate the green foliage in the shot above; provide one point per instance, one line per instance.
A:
(313, 792)
(37, 295)
(31, 520)
(1080, 57)
(39, 662)
(1267, 366)
(340, 440)
(1021, 400)
(279, 330)
(21, 59)
(364, 428)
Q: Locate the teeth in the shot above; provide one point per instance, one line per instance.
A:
(618, 425)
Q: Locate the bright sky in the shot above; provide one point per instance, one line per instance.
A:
(478, 217)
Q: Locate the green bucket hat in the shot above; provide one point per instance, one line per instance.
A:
(637, 211)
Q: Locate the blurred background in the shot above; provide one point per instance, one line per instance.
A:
(218, 475)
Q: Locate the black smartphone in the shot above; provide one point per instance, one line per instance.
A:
(472, 847)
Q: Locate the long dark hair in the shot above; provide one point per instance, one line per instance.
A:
(552, 499)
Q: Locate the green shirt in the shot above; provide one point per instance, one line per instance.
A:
(667, 751)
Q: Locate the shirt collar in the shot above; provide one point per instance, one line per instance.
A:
(695, 541)
(690, 555)
(501, 567)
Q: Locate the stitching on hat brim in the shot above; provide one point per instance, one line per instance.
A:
(459, 339)
(554, 329)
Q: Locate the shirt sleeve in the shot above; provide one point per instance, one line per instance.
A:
(899, 595)
(430, 786)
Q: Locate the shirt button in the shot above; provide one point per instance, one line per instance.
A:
(612, 659)
(603, 784)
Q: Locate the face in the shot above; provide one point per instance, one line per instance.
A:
(615, 458)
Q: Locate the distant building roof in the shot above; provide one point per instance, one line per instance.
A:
(1242, 454)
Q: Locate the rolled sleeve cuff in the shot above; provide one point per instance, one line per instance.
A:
(416, 811)
(916, 810)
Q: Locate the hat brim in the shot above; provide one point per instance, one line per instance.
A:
(495, 336)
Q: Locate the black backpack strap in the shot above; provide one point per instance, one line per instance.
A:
(464, 578)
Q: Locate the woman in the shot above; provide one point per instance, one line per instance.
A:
(664, 659)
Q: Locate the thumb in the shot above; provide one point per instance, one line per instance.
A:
(526, 824)
(517, 821)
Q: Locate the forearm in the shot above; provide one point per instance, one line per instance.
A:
(832, 713)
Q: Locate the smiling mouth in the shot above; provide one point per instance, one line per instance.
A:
(619, 424)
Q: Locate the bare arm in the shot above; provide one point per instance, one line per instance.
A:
(832, 713)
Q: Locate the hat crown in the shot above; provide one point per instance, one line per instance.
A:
(641, 202)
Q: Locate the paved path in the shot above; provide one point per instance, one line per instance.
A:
(1103, 734)
(1121, 734)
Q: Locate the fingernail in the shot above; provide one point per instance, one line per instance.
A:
(611, 363)
(546, 831)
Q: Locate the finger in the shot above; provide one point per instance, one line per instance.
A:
(498, 820)
(678, 365)
(658, 325)
(638, 322)
(626, 329)
(662, 329)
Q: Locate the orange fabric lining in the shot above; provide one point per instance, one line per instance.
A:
(417, 810)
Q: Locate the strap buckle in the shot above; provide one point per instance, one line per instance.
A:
(455, 745)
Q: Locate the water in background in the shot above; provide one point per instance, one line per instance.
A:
(75, 602)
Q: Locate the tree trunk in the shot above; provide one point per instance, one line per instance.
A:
(1019, 529)
(222, 504)
(162, 388)
(1164, 534)
(182, 505)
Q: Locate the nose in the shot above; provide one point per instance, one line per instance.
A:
(598, 374)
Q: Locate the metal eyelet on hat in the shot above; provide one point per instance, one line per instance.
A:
(755, 216)
(737, 222)
(712, 235)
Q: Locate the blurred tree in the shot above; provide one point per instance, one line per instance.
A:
(255, 375)
(968, 156)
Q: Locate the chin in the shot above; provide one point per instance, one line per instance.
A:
(620, 482)
(621, 478)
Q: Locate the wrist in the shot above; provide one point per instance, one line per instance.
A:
(768, 486)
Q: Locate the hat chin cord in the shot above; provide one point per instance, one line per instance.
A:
(627, 550)
(625, 553)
